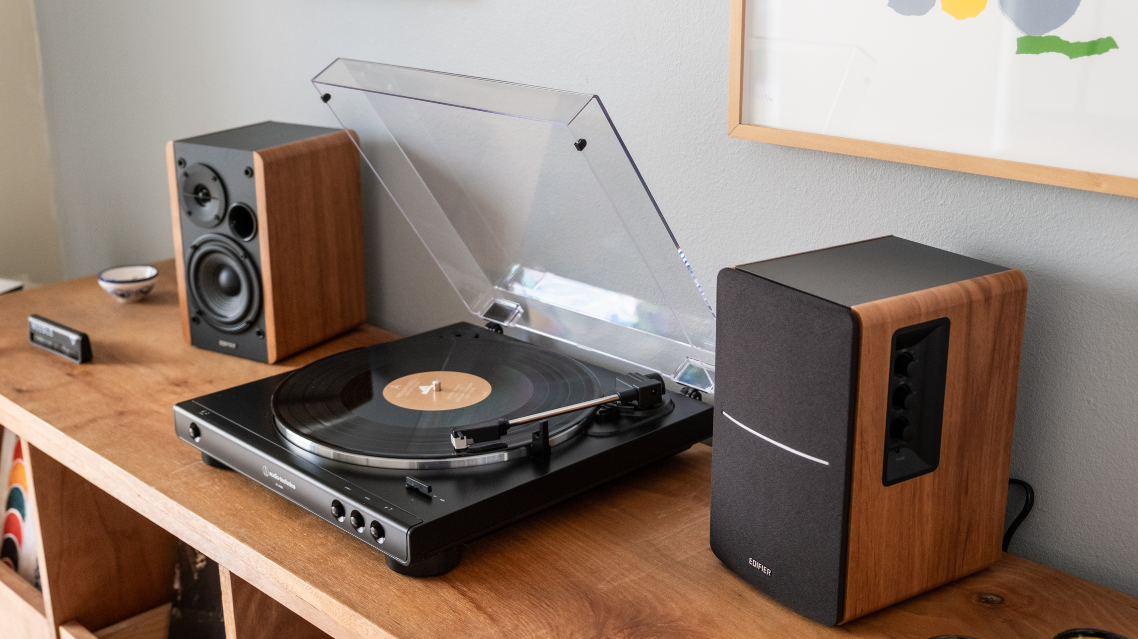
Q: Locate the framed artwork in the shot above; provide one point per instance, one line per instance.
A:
(1037, 90)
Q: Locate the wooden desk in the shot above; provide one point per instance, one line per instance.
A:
(629, 559)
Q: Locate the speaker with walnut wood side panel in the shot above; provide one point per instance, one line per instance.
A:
(863, 427)
(268, 238)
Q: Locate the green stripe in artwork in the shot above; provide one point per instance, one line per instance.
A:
(1055, 44)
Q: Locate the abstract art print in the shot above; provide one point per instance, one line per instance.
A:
(1037, 90)
(18, 545)
(1035, 18)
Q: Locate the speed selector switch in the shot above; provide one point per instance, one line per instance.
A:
(357, 521)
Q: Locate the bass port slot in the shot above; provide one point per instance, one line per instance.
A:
(242, 222)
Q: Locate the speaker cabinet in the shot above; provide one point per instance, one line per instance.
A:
(863, 427)
(268, 238)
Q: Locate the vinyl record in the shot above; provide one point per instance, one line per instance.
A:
(380, 402)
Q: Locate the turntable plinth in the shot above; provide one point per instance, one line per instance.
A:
(630, 558)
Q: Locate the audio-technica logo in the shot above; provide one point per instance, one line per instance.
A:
(763, 569)
(278, 478)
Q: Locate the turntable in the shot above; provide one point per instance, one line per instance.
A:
(531, 205)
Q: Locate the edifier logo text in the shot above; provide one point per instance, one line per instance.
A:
(763, 569)
(227, 344)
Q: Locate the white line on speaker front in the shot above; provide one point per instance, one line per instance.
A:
(782, 446)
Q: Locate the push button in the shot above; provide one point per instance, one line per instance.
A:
(377, 532)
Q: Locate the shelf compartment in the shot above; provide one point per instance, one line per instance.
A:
(152, 624)
(22, 607)
(251, 614)
(100, 561)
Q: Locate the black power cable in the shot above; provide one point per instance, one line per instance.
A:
(1028, 502)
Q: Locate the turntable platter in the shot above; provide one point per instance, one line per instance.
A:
(379, 406)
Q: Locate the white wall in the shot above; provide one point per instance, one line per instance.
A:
(29, 240)
(123, 77)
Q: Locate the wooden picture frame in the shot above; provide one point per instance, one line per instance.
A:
(1070, 178)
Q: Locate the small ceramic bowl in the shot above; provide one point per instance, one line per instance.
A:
(128, 283)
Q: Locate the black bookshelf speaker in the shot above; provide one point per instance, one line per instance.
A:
(268, 238)
(863, 422)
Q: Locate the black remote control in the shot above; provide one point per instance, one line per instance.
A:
(59, 339)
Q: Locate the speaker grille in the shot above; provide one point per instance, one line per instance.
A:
(779, 474)
(224, 283)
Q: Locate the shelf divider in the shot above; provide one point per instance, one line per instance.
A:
(251, 614)
(100, 561)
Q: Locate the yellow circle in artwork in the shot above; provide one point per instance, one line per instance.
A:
(437, 390)
(961, 9)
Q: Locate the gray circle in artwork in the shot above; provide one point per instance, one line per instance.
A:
(912, 7)
(1037, 17)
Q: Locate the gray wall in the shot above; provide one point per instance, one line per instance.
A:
(123, 77)
(29, 236)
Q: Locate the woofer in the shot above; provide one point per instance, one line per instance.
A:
(203, 195)
(224, 283)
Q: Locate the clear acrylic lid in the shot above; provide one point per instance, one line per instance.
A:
(532, 206)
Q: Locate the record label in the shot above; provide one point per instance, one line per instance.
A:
(437, 390)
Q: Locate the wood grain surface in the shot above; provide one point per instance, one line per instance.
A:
(75, 630)
(629, 559)
(735, 65)
(102, 562)
(909, 537)
(21, 608)
(152, 624)
(251, 614)
(311, 236)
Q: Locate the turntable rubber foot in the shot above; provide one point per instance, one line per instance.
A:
(441, 563)
(210, 461)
